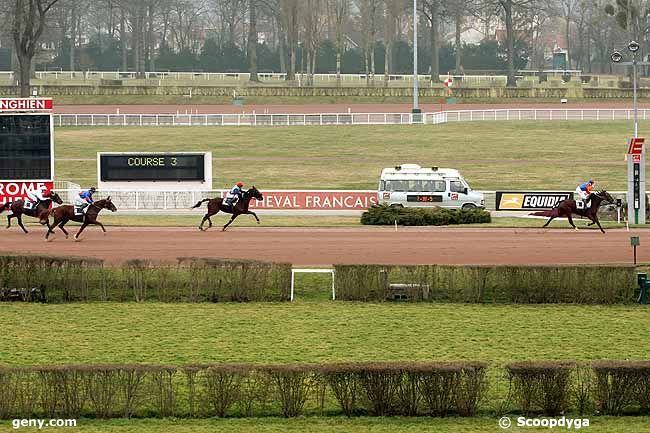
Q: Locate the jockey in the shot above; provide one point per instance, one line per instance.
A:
(584, 190)
(85, 199)
(38, 195)
(235, 194)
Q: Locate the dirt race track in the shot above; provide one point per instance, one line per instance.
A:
(314, 247)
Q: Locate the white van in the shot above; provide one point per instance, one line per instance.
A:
(413, 186)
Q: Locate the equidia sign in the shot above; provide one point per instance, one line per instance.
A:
(529, 200)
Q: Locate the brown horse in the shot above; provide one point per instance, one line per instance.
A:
(18, 209)
(241, 207)
(63, 214)
(566, 208)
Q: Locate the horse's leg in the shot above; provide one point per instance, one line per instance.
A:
(9, 217)
(62, 227)
(255, 215)
(101, 226)
(548, 222)
(81, 229)
(229, 222)
(597, 221)
(49, 230)
(206, 217)
(20, 223)
(571, 221)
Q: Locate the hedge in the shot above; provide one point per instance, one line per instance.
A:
(190, 280)
(383, 214)
(586, 284)
(124, 391)
(354, 389)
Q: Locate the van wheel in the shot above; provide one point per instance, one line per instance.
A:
(469, 206)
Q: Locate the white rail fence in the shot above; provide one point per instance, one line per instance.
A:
(226, 77)
(253, 119)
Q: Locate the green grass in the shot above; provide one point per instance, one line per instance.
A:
(491, 155)
(317, 331)
(337, 425)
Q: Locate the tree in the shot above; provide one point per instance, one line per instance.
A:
(289, 16)
(27, 29)
(431, 11)
(339, 11)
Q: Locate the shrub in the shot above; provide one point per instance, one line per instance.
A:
(621, 384)
(223, 386)
(479, 284)
(343, 379)
(383, 214)
(542, 386)
(292, 384)
(380, 382)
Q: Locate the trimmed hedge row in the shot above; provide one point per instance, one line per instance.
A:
(486, 284)
(191, 280)
(383, 214)
(110, 391)
(379, 389)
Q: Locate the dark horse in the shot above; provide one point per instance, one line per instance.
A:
(63, 214)
(241, 207)
(566, 208)
(18, 209)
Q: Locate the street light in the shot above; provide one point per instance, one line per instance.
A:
(416, 112)
(635, 169)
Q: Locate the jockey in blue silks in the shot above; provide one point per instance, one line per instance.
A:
(235, 194)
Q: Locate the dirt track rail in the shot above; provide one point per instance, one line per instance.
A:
(310, 247)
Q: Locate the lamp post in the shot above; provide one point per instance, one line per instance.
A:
(416, 112)
(635, 167)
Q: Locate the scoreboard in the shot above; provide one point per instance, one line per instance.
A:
(26, 146)
(191, 170)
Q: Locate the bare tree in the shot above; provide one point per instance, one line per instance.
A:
(369, 14)
(289, 17)
(312, 19)
(431, 10)
(27, 29)
(339, 12)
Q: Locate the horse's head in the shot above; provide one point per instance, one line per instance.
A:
(106, 204)
(604, 196)
(55, 197)
(254, 193)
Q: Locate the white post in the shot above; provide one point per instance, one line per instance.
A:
(293, 274)
(333, 288)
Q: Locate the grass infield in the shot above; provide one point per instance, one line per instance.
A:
(491, 155)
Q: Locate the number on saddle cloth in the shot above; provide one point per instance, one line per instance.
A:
(580, 204)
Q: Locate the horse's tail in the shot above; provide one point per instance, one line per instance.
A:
(546, 213)
(200, 203)
(5, 207)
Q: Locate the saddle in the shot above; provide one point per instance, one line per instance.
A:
(78, 210)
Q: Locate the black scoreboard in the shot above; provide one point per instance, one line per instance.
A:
(25, 147)
(152, 167)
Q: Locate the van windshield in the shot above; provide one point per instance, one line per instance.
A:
(422, 185)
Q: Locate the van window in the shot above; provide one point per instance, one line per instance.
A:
(456, 186)
(395, 185)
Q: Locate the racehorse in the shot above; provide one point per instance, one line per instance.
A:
(18, 209)
(241, 207)
(63, 214)
(566, 208)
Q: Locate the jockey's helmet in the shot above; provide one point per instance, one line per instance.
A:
(92, 189)
(240, 184)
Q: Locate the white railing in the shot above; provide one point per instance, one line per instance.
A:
(545, 114)
(320, 119)
(244, 76)
(232, 119)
